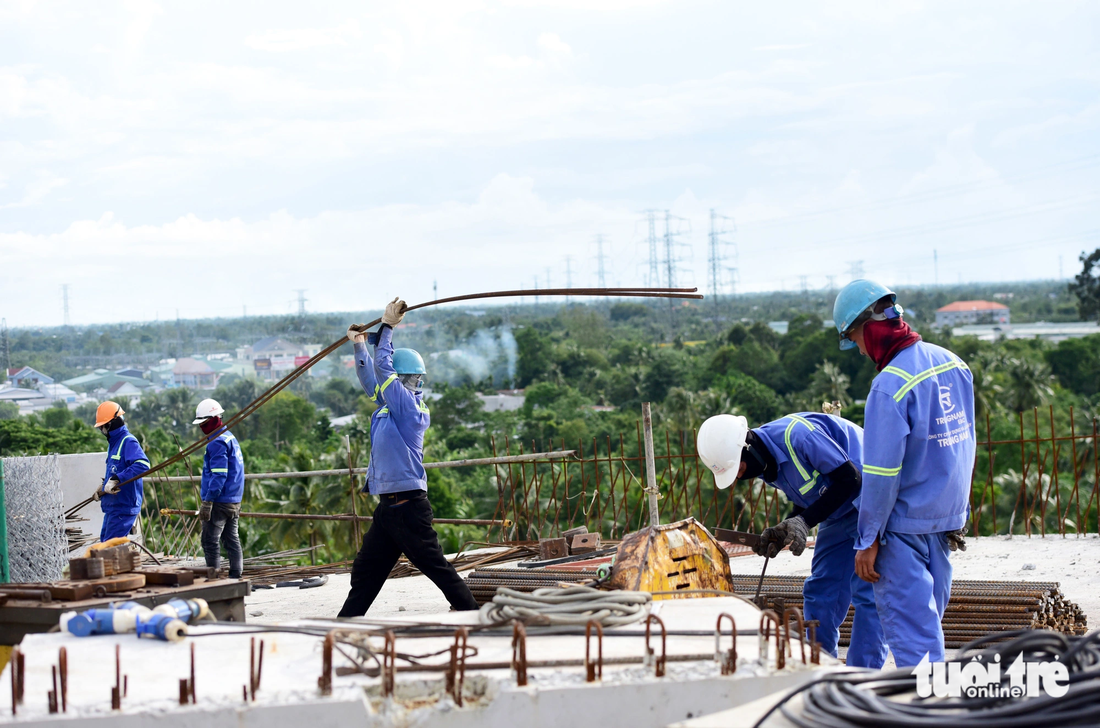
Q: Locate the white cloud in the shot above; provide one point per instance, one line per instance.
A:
(300, 39)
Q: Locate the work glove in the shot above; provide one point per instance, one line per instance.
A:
(955, 540)
(204, 511)
(357, 333)
(791, 532)
(98, 494)
(113, 486)
(395, 311)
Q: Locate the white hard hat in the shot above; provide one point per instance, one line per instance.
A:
(207, 408)
(720, 444)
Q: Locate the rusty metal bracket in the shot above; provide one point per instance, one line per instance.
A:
(51, 695)
(797, 614)
(660, 662)
(815, 646)
(324, 682)
(519, 652)
(456, 671)
(593, 671)
(727, 660)
(119, 690)
(63, 672)
(389, 658)
(767, 619)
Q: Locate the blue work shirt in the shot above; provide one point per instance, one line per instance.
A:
(397, 427)
(806, 446)
(223, 470)
(919, 446)
(125, 459)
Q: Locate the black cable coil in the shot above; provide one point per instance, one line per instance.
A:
(889, 699)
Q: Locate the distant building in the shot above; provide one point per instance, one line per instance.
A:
(972, 312)
(1052, 332)
(27, 378)
(101, 379)
(130, 372)
(505, 400)
(273, 357)
(122, 389)
(194, 373)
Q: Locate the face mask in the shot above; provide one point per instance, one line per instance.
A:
(412, 382)
(754, 463)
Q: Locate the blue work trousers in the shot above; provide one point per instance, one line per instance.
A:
(833, 586)
(116, 525)
(912, 592)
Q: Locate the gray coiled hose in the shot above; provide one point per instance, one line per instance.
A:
(572, 605)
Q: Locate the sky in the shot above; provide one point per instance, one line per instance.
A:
(210, 159)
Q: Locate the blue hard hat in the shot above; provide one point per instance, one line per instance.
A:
(408, 361)
(853, 300)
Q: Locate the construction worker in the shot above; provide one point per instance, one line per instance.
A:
(403, 520)
(119, 499)
(918, 458)
(814, 459)
(222, 489)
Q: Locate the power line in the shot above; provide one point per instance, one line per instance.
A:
(673, 256)
(568, 274)
(855, 269)
(65, 301)
(654, 278)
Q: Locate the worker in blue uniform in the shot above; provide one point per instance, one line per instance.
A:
(119, 499)
(814, 459)
(403, 519)
(222, 489)
(918, 459)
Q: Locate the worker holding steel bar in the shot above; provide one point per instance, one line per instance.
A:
(814, 459)
(918, 459)
(121, 504)
(222, 489)
(403, 519)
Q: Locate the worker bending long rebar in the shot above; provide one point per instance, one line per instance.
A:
(403, 519)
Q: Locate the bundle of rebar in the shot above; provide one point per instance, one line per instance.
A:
(975, 609)
(484, 583)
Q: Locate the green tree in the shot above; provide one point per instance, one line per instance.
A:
(1028, 384)
(8, 410)
(532, 356)
(1086, 286)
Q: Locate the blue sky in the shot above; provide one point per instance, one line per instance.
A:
(202, 157)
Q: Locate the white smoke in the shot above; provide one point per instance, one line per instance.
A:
(490, 354)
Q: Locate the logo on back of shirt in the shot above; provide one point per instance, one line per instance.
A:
(945, 400)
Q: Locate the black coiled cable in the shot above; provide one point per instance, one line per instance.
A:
(889, 699)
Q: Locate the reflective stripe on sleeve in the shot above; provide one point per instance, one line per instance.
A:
(387, 383)
(876, 470)
(219, 470)
(898, 372)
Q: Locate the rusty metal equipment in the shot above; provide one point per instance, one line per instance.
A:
(584, 543)
(483, 583)
(552, 548)
(975, 609)
(669, 558)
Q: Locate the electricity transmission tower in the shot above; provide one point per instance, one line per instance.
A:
(855, 269)
(65, 301)
(301, 301)
(720, 251)
(654, 278)
(601, 279)
(568, 274)
(673, 257)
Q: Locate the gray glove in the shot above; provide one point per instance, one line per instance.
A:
(98, 494)
(204, 512)
(112, 486)
(357, 333)
(395, 311)
(791, 532)
(955, 540)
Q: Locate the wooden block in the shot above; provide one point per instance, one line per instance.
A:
(166, 576)
(202, 572)
(78, 569)
(552, 548)
(568, 535)
(584, 543)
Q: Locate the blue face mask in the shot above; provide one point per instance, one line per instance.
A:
(412, 382)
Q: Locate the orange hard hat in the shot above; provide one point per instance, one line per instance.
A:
(106, 412)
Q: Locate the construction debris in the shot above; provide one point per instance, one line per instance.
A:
(670, 558)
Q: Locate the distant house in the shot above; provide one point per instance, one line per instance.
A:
(27, 378)
(972, 312)
(194, 373)
(130, 372)
(273, 357)
(122, 389)
(102, 380)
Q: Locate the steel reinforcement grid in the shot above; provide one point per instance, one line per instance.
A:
(1035, 472)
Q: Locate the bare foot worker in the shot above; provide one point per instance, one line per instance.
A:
(403, 520)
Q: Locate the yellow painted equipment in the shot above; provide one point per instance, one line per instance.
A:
(680, 556)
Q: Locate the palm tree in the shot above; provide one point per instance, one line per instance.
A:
(986, 389)
(1029, 384)
(679, 409)
(829, 384)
